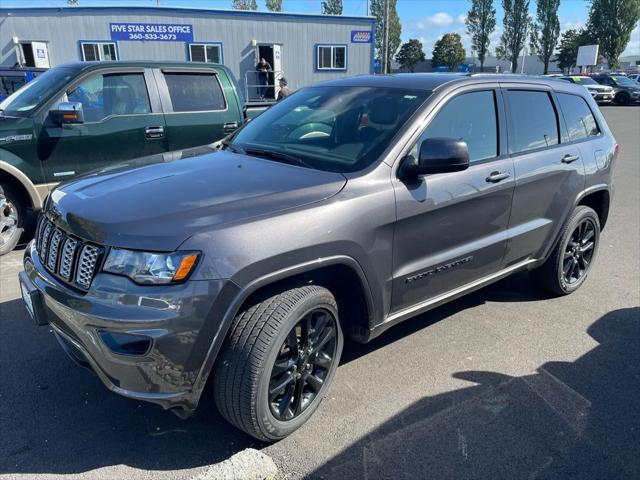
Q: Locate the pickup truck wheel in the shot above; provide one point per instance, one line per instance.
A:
(571, 260)
(11, 219)
(278, 362)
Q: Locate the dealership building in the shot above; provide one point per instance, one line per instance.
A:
(304, 48)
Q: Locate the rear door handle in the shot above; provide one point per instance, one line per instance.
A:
(570, 158)
(496, 177)
(154, 132)
(230, 127)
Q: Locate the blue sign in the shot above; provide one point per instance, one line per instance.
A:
(377, 66)
(154, 32)
(361, 36)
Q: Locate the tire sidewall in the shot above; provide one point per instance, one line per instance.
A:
(581, 215)
(623, 99)
(271, 427)
(14, 199)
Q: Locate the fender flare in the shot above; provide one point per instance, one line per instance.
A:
(243, 293)
(34, 196)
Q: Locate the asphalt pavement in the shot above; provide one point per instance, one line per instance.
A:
(504, 383)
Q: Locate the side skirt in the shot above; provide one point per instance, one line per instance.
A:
(421, 307)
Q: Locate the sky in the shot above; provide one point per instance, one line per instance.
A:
(426, 20)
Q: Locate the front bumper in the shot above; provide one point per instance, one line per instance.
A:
(175, 319)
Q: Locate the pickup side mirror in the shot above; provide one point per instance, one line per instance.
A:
(68, 112)
(437, 155)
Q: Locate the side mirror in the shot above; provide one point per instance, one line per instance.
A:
(68, 112)
(437, 155)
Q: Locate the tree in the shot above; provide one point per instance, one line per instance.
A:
(274, 5)
(545, 30)
(568, 49)
(410, 54)
(395, 29)
(448, 52)
(244, 4)
(332, 7)
(611, 23)
(481, 22)
(515, 23)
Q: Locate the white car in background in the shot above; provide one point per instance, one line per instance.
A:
(600, 93)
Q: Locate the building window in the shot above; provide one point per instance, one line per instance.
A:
(205, 52)
(331, 57)
(98, 51)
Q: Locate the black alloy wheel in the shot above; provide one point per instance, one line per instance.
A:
(579, 252)
(302, 365)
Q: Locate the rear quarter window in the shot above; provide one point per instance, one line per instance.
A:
(578, 116)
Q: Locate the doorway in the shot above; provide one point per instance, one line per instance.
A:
(272, 53)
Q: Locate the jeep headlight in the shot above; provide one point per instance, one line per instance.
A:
(149, 268)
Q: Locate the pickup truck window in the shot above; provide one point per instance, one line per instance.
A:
(470, 117)
(195, 92)
(36, 91)
(112, 94)
(534, 123)
(339, 129)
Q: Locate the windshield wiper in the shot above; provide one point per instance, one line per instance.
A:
(278, 156)
(234, 148)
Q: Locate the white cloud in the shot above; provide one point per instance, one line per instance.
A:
(437, 20)
(461, 18)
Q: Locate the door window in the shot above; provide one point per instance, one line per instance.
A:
(195, 92)
(534, 123)
(578, 115)
(112, 94)
(470, 117)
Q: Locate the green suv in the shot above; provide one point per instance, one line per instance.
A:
(81, 116)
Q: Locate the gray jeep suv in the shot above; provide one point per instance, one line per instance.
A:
(341, 211)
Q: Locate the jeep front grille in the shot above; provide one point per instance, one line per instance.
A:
(65, 256)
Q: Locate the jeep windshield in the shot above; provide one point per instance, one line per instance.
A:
(334, 128)
(29, 96)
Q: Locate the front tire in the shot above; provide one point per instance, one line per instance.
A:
(278, 362)
(622, 99)
(571, 260)
(11, 219)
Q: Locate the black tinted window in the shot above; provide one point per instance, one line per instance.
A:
(533, 120)
(470, 117)
(578, 115)
(194, 92)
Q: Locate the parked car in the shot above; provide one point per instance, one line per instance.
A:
(635, 77)
(627, 91)
(11, 79)
(340, 211)
(600, 93)
(81, 116)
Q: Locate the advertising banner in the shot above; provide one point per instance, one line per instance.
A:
(154, 32)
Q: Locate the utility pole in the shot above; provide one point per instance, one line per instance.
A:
(385, 41)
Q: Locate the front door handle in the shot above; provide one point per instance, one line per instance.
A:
(154, 132)
(496, 177)
(230, 127)
(569, 158)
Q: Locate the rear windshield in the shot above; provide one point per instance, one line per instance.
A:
(339, 129)
(36, 91)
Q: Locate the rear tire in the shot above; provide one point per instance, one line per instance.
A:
(12, 215)
(567, 267)
(278, 361)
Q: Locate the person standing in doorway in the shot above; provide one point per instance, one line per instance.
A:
(263, 68)
(285, 91)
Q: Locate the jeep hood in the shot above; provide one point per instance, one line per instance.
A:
(157, 202)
